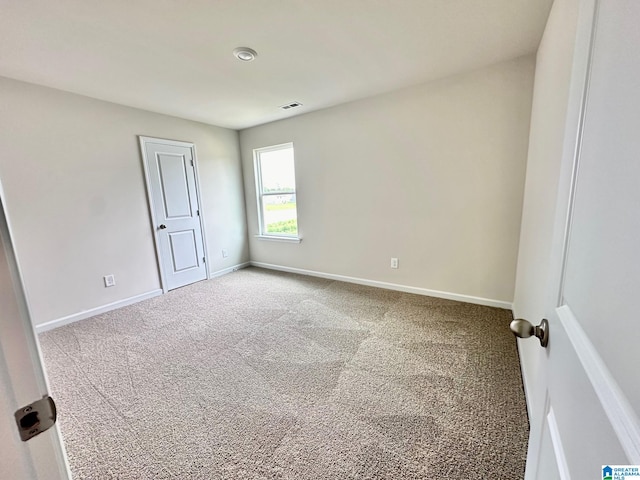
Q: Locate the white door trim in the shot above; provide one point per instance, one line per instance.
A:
(176, 143)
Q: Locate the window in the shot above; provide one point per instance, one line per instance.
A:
(276, 191)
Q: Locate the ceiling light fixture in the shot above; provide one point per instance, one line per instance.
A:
(245, 54)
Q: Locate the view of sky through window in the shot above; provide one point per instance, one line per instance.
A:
(278, 173)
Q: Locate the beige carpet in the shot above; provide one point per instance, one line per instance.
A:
(265, 375)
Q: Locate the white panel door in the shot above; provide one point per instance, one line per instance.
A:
(593, 386)
(170, 168)
(22, 380)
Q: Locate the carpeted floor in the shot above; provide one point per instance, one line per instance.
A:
(267, 375)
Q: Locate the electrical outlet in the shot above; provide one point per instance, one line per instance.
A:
(225, 253)
(109, 280)
(394, 263)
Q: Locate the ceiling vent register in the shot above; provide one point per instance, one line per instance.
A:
(290, 105)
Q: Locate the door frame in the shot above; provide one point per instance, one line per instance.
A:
(144, 140)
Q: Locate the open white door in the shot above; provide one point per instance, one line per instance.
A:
(170, 168)
(22, 381)
(592, 359)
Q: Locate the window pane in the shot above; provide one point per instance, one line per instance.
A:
(276, 185)
(278, 174)
(279, 214)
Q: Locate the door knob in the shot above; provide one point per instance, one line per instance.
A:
(162, 227)
(524, 329)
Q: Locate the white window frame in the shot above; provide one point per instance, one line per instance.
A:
(263, 234)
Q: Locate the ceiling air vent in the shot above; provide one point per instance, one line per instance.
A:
(290, 105)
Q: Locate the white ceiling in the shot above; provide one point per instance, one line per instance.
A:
(175, 56)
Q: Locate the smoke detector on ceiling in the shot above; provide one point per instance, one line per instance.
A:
(290, 105)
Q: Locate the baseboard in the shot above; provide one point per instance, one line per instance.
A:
(224, 271)
(389, 286)
(623, 418)
(43, 327)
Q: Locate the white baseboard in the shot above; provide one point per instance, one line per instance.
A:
(50, 325)
(43, 327)
(390, 286)
(224, 271)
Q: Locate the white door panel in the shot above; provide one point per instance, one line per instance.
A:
(174, 184)
(591, 362)
(172, 187)
(603, 274)
(183, 250)
(586, 432)
(552, 465)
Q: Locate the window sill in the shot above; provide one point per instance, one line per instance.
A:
(275, 238)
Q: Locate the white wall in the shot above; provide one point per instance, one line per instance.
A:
(76, 199)
(554, 62)
(432, 174)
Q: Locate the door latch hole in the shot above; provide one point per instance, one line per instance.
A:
(35, 418)
(29, 421)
